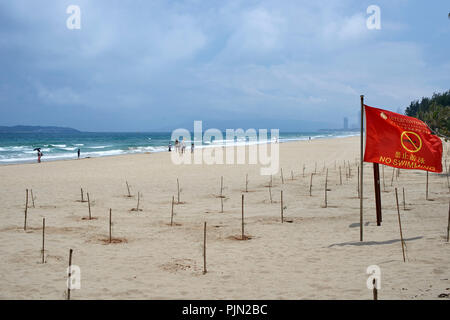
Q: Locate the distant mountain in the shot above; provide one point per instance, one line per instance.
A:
(36, 129)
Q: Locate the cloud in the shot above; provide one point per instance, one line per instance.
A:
(169, 61)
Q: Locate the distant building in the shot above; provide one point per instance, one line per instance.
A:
(345, 123)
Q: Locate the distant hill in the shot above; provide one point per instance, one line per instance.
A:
(36, 129)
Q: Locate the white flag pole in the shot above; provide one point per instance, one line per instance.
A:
(361, 172)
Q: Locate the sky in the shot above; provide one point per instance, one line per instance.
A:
(159, 65)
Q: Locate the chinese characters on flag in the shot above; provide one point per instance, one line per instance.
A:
(400, 141)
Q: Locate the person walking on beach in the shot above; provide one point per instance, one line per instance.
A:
(78, 152)
(39, 154)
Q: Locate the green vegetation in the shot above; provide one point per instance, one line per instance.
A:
(434, 111)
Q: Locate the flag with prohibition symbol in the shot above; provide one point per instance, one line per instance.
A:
(400, 141)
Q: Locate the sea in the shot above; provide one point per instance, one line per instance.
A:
(20, 147)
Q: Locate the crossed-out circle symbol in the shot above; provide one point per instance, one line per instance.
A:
(411, 141)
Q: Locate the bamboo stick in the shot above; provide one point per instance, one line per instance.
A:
(448, 224)
(400, 226)
(32, 198)
(243, 217)
(326, 188)
(128, 188)
(26, 211)
(43, 240)
(204, 248)
(178, 189)
(404, 199)
(89, 206)
(392, 179)
(171, 215)
(270, 194)
(69, 280)
(110, 225)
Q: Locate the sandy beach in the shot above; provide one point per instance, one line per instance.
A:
(314, 254)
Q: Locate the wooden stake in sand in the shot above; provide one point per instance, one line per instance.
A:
(404, 200)
(292, 175)
(310, 185)
(221, 186)
(448, 224)
(303, 170)
(400, 226)
(110, 225)
(204, 248)
(26, 211)
(43, 240)
(243, 217)
(282, 208)
(446, 172)
(171, 215)
(375, 291)
(282, 178)
(139, 199)
(426, 193)
(270, 193)
(128, 188)
(340, 176)
(392, 179)
(349, 170)
(178, 189)
(32, 198)
(89, 206)
(82, 197)
(246, 182)
(326, 188)
(69, 277)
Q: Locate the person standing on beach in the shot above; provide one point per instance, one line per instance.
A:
(39, 154)
(170, 146)
(192, 147)
(79, 151)
(183, 146)
(177, 145)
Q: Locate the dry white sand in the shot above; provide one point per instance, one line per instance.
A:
(316, 256)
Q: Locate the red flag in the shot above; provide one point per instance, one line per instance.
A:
(400, 141)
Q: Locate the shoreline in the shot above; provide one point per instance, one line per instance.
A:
(28, 162)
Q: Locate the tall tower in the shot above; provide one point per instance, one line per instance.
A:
(345, 123)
